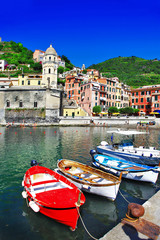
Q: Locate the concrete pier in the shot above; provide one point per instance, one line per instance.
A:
(125, 232)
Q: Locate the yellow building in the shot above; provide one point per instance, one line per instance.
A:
(29, 80)
(74, 112)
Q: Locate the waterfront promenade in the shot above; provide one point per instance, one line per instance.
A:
(125, 232)
(93, 121)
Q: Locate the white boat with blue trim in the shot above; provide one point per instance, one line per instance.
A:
(129, 169)
(126, 150)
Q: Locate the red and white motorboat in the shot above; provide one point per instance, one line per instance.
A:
(52, 194)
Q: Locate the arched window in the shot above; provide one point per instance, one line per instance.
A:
(49, 58)
(49, 70)
(7, 103)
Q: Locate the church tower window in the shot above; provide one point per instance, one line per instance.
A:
(49, 70)
(8, 103)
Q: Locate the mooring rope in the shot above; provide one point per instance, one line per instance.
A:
(123, 196)
(84, 225)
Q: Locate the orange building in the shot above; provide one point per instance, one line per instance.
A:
(73, 87)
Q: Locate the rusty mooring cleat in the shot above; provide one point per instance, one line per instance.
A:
(133, 218)
(135, 211)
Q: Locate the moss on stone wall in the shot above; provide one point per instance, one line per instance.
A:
(24, 113)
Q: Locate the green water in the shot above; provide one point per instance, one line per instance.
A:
(18, 146)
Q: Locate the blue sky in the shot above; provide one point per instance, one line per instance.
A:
(85, 31)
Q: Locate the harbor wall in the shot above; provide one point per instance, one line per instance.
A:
(112, 121)
(152, 214)
(38, 117)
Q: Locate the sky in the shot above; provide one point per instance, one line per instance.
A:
(87, 32)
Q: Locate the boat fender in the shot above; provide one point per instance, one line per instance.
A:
(86, 187)
(34, 206)
(92, 152)
(23, 183)
(142, 154)
(135, 151)
(34, 163)
(151, 155)
(24, 194)
(104, 143)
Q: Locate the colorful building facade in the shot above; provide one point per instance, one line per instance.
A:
(146, 99)
(73, 87)
(29, 80)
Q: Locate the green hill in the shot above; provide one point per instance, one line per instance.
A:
(133, 71)
(20, 57)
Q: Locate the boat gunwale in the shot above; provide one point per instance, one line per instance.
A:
(145, 168)
(101, 174)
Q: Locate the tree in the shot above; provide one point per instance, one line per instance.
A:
(136, 111)
(65, 59)
(96, 109)
(60, 69)
(128, 110)
(84, 71)
(37, 67)
(113, 110)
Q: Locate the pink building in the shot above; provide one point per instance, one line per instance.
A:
(38, 55)
(89, 96)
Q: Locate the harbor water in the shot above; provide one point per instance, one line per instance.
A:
(18, 146)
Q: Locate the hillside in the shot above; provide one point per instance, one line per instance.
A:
(20, 57)
(133, 71)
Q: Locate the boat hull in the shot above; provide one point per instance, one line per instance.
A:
(58, 198)
(109, 192)
(89, 179)
(147, 176)
(67, 216)
(150, 161)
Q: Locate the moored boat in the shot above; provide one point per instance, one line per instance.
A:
(129, 169)
(52, 195)
(127, 151)
(90, 179)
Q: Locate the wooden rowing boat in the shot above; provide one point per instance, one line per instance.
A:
(53, 195)
(90, 179)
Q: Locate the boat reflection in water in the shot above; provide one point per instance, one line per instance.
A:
(40, 227)
(102, 207)
(141, 190)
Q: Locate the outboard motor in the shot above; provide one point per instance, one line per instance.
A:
(93, 152)
(34, 163)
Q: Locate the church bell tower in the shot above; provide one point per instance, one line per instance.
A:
(49, 66)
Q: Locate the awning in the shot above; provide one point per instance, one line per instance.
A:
(154, 113)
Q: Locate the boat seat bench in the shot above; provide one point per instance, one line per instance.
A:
(44, 182)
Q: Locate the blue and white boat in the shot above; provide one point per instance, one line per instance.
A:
(126, 150)
(130, 170)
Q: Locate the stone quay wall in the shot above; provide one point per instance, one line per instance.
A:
(106, 121)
